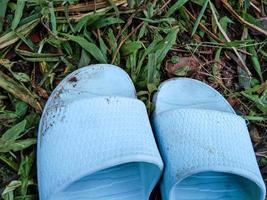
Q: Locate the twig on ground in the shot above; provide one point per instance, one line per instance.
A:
(241, 20)
(124, 40)
(204, 28)
(243, 64)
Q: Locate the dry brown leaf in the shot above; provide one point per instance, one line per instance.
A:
(191, 62)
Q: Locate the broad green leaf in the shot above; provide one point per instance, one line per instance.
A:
(14, 132)
(255, 60)
(145, 53)
(103, 47)
(11, 187)
(106, 21)
(175, 7)
(12, 37)
(152, 68)
(24, 172)
(87, 20)
(17, 145)
(22, 144)
(21, 108)
(131, 47)
(84, 59)
(163, 47)
(88, 46)
(156, 53)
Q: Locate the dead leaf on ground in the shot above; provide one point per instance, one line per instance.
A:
(254, 134)
(232, 101)
(40, 91)
(184, 66)
(19, 91)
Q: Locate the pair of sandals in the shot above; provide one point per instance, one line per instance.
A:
(95, 142)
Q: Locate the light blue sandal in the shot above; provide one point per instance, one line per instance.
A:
(205, 146)
(95, 141)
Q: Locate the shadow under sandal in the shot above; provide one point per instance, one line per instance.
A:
(95, 141)
(205, 146)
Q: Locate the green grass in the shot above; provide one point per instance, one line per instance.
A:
(220, 43)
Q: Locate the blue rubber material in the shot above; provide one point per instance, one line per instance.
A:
(205, 146)
(95, 140)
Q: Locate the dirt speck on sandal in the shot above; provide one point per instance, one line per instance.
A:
(73, 79)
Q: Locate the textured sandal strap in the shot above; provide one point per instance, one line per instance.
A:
(89, 135)
(193, 140)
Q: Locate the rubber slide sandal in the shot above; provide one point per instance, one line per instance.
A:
(205, 145)
(95, 141)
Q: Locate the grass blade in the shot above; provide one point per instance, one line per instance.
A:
(11, 37)
(18, 14)
(88, 46)
(3, 6)
(200, 17)
(152, 67)
(19, 91)
(14, 132)
(10, 163)
(114, 6)
(106, 22)
(228, 39)
(87, 20)
(16, 145)
(165, 45)
(53, 17)
(255, 61)
(175, 7)
(130, 47)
